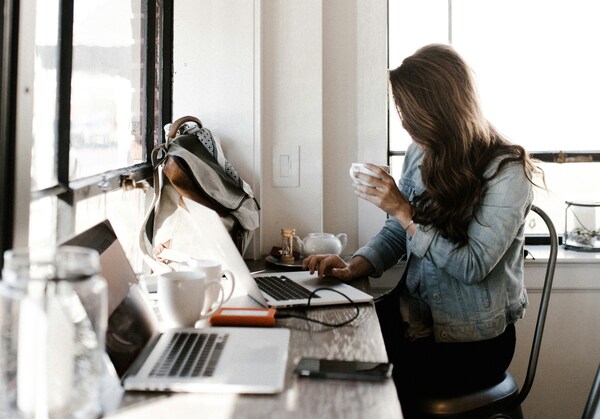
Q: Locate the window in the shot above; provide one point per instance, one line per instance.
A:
(106, 88)
(536, 64)
(8, 77)
(100, 94)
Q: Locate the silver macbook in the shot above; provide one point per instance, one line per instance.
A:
(230, 360)
(212, 241)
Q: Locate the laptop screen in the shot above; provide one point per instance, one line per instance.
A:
(131, 319)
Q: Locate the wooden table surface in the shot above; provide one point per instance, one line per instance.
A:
(302, 397)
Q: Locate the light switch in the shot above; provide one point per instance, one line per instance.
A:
(286, 166)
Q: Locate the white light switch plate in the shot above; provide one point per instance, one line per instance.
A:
(286, 166)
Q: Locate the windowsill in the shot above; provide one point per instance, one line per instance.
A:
(564, 256)
(575, 271)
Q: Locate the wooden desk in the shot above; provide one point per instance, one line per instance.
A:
(302, 397)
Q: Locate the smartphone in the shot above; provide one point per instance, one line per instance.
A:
(342, 369)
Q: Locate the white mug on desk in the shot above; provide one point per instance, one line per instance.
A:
(213, 270)
(181, 297)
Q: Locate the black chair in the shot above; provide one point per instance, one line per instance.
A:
(504, 399)
(591, 407)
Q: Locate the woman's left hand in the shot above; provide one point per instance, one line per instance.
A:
(327, 265)
(383, 192)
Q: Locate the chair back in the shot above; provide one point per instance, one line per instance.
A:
(502, 400)
(591, 407)
(543, 310)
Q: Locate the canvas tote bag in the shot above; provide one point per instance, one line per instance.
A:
(191, 163)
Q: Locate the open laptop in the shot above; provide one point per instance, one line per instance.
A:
(212, 241)
(230, 360)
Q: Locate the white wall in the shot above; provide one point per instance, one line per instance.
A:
(214, 76)
(24, 124)
(371, 102)
(354, 111)
(292, 114)
(307, 73)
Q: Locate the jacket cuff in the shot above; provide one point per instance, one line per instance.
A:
(374, 259)
(421, 240)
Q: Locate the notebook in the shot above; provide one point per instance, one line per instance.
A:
(212, 241)
(231, 360)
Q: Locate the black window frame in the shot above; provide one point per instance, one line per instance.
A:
(158, 76)
(8, 92)
(560, 156)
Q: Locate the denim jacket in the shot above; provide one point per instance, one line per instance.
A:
(467, 293)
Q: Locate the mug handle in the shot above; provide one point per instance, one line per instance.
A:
(221, 301)
(229, 275)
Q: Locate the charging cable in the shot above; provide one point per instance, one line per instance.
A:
(279, 315)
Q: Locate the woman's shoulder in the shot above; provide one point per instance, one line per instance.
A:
(499, 170)
(506, 162)
(413, 148)
(413, 156)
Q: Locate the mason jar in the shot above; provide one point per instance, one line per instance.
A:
(582, 226)
(53, 318)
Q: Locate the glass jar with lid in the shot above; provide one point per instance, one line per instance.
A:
(582, 226)
(53, 317)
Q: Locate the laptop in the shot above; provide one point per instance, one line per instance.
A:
(211, 240)
(228, 360)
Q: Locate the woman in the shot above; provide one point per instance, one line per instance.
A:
(458, 213)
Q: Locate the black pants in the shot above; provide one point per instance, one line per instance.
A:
(425, 367)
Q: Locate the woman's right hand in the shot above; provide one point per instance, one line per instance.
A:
(328, 265)
(384, 193)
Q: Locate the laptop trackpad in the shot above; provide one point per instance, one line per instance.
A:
(263, 355)
(264, 364)
(313, 282)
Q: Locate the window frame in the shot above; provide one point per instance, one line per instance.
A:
(158, 75)
(547, 156)
(8, 92)
(559, 157)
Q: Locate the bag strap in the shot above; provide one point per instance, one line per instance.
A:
(157, 157)
(144, 242)
(158, 154)
(178, 123)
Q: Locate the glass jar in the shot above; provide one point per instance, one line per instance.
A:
(53, 318)
(582, 226)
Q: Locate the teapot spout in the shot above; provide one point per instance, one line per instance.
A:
(298, 244)
(343, 238)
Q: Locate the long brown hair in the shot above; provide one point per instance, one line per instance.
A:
(437, 100)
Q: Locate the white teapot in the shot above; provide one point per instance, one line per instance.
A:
(318, 243)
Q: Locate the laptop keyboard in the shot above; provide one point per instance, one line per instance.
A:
(190, 355)
(282, 288)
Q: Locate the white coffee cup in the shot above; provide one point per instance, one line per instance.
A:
(181, 297)
(360, 168)
(213, 270)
